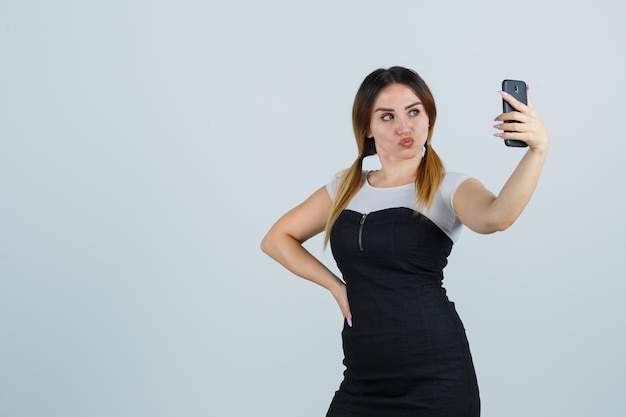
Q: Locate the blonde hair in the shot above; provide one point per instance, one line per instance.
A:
(430, 171)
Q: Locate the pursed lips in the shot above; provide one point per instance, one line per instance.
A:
(407, 142)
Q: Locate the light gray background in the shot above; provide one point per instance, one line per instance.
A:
(146, 147)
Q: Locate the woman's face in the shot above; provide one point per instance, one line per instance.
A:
(399, 123)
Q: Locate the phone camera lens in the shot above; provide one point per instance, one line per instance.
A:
(516, 89)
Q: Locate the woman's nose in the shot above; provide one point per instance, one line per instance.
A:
(402, 127)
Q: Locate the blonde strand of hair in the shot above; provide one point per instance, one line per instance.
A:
(348, 187)
(429, 177)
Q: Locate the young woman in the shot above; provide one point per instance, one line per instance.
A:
(391, 230)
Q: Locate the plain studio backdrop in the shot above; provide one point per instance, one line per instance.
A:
(146, 148)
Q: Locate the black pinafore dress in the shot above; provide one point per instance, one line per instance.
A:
(406, 353)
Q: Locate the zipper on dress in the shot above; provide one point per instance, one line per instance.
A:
(363, 217)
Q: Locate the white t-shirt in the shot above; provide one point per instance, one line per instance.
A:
(369, 199)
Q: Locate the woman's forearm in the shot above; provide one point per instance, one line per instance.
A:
(290, 253)
(518, 189)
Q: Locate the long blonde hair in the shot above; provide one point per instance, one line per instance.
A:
(430, 171)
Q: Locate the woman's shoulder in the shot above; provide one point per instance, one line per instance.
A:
(451, 181)
(333, 185)
(455, 176)
(342, 174)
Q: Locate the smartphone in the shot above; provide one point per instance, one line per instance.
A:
(518, 90)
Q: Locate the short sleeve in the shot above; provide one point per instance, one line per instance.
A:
(450, 184)
(333, 186)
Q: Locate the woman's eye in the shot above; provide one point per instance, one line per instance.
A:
(414, 112)
(387, 117)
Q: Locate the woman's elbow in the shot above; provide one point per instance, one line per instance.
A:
(273, 244)
(266, 244)
(499, 225)
(502, 224)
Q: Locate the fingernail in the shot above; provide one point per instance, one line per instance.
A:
(502, 93)
(349, 320)
(496, 119)
(497, 126)
(499, 135)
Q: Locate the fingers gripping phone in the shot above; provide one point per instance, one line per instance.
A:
(518, 90)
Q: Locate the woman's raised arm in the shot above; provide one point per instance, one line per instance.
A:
(481, 210)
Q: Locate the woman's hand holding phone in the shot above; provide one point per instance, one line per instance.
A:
(520, 124)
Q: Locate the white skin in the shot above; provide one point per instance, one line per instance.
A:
(399, 125)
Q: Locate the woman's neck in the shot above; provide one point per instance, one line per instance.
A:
(396, 174)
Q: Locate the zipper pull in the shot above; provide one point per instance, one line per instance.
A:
(363, 217)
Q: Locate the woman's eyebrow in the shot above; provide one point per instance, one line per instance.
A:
(417, 103)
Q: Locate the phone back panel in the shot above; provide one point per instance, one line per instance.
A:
(517, 89)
